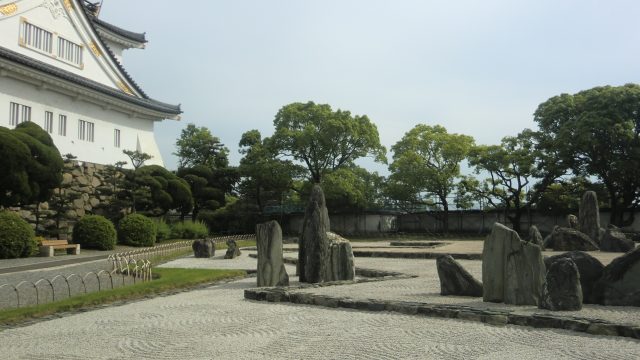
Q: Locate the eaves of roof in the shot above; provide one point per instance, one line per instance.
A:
(38, 65)
(133, 36)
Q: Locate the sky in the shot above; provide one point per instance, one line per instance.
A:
(478, 68)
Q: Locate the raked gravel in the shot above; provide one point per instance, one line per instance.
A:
(217, 323)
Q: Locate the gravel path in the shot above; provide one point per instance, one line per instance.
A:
(217, 323)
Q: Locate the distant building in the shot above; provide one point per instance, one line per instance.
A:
(60, 67)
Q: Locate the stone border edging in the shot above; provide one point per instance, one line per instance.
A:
(462, 312)
(417, 243)
(414, 255)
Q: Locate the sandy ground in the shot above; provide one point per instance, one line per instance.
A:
(217, 322)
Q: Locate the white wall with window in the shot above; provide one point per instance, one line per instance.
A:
(25, 102)
(48, 122)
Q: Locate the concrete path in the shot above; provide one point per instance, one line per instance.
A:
(218, 323)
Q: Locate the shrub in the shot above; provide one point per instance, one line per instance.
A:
(16, 236)
(189, 230)
(136, 230)
(94, 232)
(163, 231)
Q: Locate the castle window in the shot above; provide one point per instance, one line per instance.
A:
(36, 37)
(116, 138)
(48, 121)
(86, 130)
(62, 125)
(19, 114)
(69, 51)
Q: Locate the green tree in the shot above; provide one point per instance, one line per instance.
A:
(596, 132)
(323, 139)
(426, 164)
(352, 188)
(197, 146)
(208, 186)
(31, 165)
(264, 177)
(519, 173)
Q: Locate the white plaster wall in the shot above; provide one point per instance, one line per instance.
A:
(39, 15)
(102, 150)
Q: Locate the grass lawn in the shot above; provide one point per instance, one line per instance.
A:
(168, 279)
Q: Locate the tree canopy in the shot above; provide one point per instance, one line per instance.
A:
(596, 132)
(197, 146)
(31, 164)
(426, 163)
(324, 139)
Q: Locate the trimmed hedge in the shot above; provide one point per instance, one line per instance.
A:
(189, 230)
(136, 230)
(163, 231)
(95, 232)
(16, 236)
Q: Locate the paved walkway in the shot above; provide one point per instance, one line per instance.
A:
(217, 322)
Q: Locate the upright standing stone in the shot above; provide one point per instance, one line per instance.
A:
(513, 271)
(455, 280)
(572, 221)
(341, 264)
(203, 248)
(590, 270)
(313, 248)
(271, 270)
(562, 290)
(535, 237)
(233, 251)
(589, 216)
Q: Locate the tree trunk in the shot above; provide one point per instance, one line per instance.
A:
(445, 215)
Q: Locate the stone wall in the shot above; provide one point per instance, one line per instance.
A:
(87, 188)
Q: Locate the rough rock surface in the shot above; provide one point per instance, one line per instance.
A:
(620, 281)
(566, 239)
(589, 216)
(535, 237)
(271, 270)
(341, 265)
(562, 290)
(203, 248)
(615, 241)
(572, 221)
(455, 280)
(233, 251)
(513, 271)
(314, 245)
(590, 270)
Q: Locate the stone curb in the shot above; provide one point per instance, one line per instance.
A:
(413, 255)
(417, 243)
(461, 312)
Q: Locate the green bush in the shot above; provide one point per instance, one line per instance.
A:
(95, 232)
(16, 236)
(189, 230)
(136, 230)
(163, 231)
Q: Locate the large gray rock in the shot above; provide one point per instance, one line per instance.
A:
(313, 249)
(562, 289)
(233, 251)
(271, 270)
(572, 221)
(620, 281)
(566, 239)
(590, 270)
(513, 271)
(615, 241)
(203, 248)
(341, 264)
(589, 216)
(535, 237)
(455, 280)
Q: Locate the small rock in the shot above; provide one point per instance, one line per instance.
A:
(562, 290)
(455, 280)
(233, 251)
(203, 248)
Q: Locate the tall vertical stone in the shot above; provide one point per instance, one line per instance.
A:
(562, 289)
(589, 216)
(341, 264)
(513, 271)
(313, 247)
(271, 270)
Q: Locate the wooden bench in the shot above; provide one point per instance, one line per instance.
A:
(48, 247)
